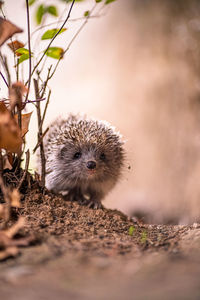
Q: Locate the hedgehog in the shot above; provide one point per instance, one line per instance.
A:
(84, 159)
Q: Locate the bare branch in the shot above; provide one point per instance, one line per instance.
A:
(41, 139)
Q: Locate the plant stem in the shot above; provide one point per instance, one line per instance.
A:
(29, 49)
(41, 58)
(4, 79)
(42, 154)
(25, 170)
(72, 40)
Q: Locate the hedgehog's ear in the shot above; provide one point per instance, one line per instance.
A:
(63, 151)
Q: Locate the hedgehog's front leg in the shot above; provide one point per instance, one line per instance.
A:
(75, 194)
(93, 199)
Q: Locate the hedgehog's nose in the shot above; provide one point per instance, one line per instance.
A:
(91, 165)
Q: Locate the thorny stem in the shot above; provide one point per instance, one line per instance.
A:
(72, 40)
(41, 58)
(29, 49)
(42, 154)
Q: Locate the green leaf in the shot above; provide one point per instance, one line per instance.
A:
(22, 58)
(86, 13)
(30, 2)
(131, 230)
(97, 1)
(22, 51)
(109, 1)
(52, 10)
(55, 52)
(49, 34)
(40, 13)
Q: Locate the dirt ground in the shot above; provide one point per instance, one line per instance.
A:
(80, 253)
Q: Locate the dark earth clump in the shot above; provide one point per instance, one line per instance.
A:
(80, 253)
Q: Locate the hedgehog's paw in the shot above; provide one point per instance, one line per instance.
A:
(74, 195)
(95, 204)
(91, 203)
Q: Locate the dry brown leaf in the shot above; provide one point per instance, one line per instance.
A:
(8, 244)
(16, 92)
(9, 252)
(15, 198)
(10, 233)
(2, 211)
(7, 29)
(15, 45)
(10, 133)
(25, 122)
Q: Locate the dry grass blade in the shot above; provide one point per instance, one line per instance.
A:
(8, 244)
(9, 252)
(12, 231)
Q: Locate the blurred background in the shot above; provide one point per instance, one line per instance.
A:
(137, 66)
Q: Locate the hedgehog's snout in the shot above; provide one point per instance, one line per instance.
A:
(91, 165)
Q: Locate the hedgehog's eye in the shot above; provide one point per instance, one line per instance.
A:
(77, 155)
(102, 156)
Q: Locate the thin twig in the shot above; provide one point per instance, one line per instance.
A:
(3, 78)
(41, 139)
(41, 58)
(5, 65)
(45, 109)
(25, 170)
(42, 154)
(72, 40)
(7, 101)
(46, 81)
(29, 49)
(60, 21)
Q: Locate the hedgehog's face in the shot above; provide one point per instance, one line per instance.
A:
(91, 162)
